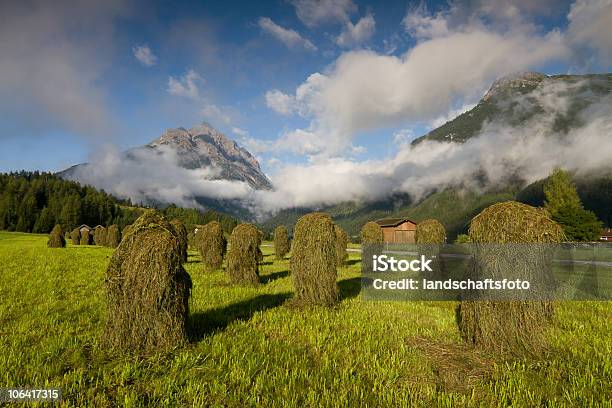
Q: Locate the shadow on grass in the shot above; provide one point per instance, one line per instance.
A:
(202, 324)
(349, 288)
(273, 276)
(351, 262)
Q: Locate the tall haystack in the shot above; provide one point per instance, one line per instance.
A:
(211, 244)
(147, 288)
(281, 241)
(56, 238)
(181, 232)
(512, 326)
(113, 236)
(86, 237)
(75, 236)
(242, 256)
(313, 261)
(429, 235)
(341, 244)
(99, 236)
(372, 240)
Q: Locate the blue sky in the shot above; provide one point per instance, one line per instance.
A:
(76, 78)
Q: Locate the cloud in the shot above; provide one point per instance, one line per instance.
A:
(291, 38)
(280, 102)
(53, 59)
(356, 34)
(155, 175)
(590, 26)
(185, 86)
(144, 54)
(316, 12)
(419, 24)
(363, 90)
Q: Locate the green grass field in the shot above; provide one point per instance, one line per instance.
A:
(248, 349)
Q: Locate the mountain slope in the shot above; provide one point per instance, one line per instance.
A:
(516, 99)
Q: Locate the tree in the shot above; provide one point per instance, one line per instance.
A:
(560, 192)
(564, 205)
(579, 224)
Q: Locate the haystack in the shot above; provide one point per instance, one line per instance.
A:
(371, 233)
(429, 236)
(372, 240)
(313, 261)
(75, 236)
(281, 241)
(211, 244)
(86, 238)
(99, 236)
(242, 257)
(181, 232)
(513, 326)
(113, 236)
(430, 232)
(56, 238)
(341, 244)
(147, 288)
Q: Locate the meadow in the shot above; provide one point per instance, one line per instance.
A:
(248, 348)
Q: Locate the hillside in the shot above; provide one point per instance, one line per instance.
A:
(516, 99)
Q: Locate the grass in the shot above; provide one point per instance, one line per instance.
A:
(248, 349)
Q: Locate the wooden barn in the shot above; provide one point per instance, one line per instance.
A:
(398, 230)
(606, 235)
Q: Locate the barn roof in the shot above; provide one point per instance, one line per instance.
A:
(393, 222)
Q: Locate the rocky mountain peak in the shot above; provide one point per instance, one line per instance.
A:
(204, 145)
(521, 81)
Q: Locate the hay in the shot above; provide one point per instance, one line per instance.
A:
(56, 238)
(99, 236)
(75, 236)
(429, 235)
(147, 288)
(242, 257)
(371, 233)
(341, 244)
(211, 244)
(430, 232)
(281, 242)
(113, 236)
(181, 232)
(512, 326)
(86, 238)
(372, 240)
(313, 261)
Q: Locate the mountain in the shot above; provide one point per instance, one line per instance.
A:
(514, 101)
(199, 147)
